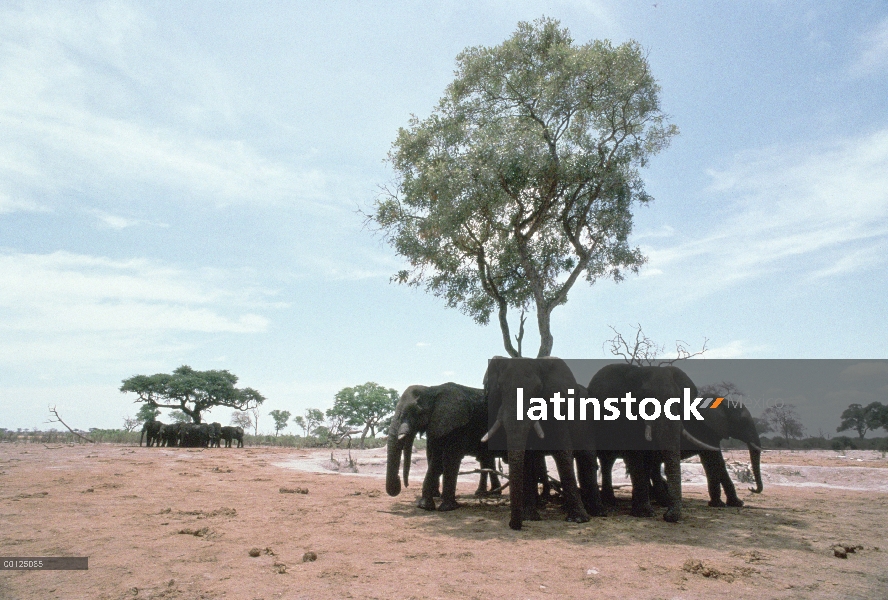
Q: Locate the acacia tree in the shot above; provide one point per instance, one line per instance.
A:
(524, 177)
(785, 421)
(367, 405)
(280, 418)
(192, 392)
(862, 418)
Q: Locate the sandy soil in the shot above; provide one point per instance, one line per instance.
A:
(180, 523)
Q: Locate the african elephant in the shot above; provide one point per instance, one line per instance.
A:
(151, 433)
(216, 435)
(727, 420)
(169, 435)
(226, 434)
(643, 443)
(239, 436)
(453, 418)
(195, 435)
(565, 440)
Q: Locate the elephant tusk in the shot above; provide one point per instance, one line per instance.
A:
(539, 429)
(496, 425)
(403, 431)
(754, 447)
(647, 433)
(697, 442)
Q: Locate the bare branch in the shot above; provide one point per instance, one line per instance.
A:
(58, 419)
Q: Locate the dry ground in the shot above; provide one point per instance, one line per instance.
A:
(179, 523)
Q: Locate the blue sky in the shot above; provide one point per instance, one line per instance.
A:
(180, 184)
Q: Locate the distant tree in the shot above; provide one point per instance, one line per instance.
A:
(862, 418)
(177, 416)
(191, 392)
(366, 405)
(762, 425)
(280, 420)
(785, 421)
(300, 422)
(336, 428)
(147, 412)
(524, 178)
(313, 419)
(130, 423)
(242, 420)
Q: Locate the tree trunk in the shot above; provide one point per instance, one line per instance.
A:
(545, 326)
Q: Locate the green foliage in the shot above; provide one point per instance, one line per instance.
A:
(367, 405)
(177, 416)
(524, 177)
(280, 419)
(313, 418)
(147, 412)
(191, 392)
(863, 418)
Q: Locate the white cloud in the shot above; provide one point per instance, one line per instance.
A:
(161, 119)
(873, 58)
(422, 344)
(825, 207)
(737, 349)
(62, 292)
(8, 205)
(118, 222)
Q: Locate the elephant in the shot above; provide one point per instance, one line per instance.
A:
(239, 436)
(643, 443)
(727, 420)
(226, 434)
(169, 435)
(151, 432)
(195, 435)
(453, 418)
(216, 435)
(565, 440)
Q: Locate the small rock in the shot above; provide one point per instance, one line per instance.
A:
(279, 567)
(309, 557)
(840, 552)
(298, 490)
(254, 552)
(591, 572)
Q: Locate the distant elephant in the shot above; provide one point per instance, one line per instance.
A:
(565, 440)
(226, 434)
(239, 436)
(216, 435)
(169, 435)
(151, 433)
(643, 443)
(195, 435)
(453, 418)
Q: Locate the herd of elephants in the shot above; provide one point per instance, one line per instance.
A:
(191, 435)
(456, 421)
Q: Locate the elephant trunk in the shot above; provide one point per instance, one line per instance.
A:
(755, 458)
(398, 444)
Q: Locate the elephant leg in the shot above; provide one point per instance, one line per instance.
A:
(530, 486)
(451, 460)
(572, 501)
(486, 461)
(639, 474)
(433, 473)
(659, 487)
(516, 484)
(607, 460)
(672, 464)
(587, 468)
(717, 476)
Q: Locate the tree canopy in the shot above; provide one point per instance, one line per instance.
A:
(524, 177)
(864, 418)
(191, 392)
(367, 405)
(280, 420)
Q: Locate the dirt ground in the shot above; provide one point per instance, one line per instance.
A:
(180, 523)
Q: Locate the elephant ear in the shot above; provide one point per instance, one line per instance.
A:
(450, 406)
